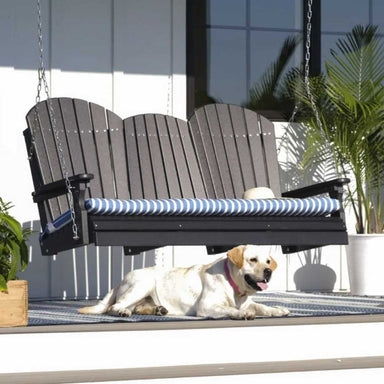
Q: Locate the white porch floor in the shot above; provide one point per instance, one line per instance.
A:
(342, 335)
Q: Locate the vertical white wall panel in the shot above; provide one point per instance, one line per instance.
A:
(143, 57)
(179, 84)
(149, 57)
(18, 79)
(81, 50)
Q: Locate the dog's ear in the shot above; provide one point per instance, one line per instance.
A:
(236, 256)
(273, 264)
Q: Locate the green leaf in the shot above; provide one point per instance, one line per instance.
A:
(3, 283)
(15, 259)
(13, 248)
(13, 225)
(24, 256)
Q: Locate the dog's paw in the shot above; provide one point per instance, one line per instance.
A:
(279, 311)
(124, 312)
(118, 311)
(244, 314)
(160, 311)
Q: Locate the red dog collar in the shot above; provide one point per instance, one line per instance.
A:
(229, 277)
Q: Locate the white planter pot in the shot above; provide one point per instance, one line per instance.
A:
(365, 256)
(315, 278)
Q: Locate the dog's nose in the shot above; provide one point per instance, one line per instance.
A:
(267, 273)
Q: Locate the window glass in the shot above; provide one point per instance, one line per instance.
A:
(328, 42)
(378, 14)
(265, 47)
(276, 13)
(244, 37)
(226, 12)
(343, 15)
(227, 65)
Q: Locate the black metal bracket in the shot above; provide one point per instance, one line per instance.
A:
(334, 188)
(79, 186)
(58, 188)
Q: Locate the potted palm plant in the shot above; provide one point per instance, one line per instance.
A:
(349, 129)
(13, 257)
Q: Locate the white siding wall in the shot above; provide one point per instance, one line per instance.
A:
(129, 56)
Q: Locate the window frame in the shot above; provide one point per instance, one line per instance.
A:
(197, 50)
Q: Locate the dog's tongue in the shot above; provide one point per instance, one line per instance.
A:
(262, 286)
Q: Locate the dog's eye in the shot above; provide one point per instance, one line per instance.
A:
(268, 261)
(253, 260)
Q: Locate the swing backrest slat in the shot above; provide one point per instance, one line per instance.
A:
(182, 166)
(89, 152)
(156, 156)
(191, 158)
(46, 156)
(242, 143)
(230, 148)
(146, 170)
(257, 154)
(119, 155)
(170, 170)
(133, 165)
(104, 160)
(270, 161)
(206, 154)
(73, 136)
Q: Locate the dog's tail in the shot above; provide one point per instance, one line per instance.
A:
(102, 306)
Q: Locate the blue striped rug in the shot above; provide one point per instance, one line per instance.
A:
(300, 305)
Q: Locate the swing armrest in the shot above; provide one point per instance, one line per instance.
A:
(58, 188)
(332, 187)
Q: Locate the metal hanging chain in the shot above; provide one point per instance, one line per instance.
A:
(306, 66)
(42, 82)
(307, 60)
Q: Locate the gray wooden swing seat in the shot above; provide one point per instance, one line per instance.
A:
(219, 153)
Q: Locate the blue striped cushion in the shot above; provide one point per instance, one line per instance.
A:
(314, 206)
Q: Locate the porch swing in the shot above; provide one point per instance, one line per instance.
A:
(153, 180)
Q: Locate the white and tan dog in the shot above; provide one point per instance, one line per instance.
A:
(220, 289)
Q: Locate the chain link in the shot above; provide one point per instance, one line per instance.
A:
(42, 82)
(306, 66)
(39, 73)
(307, 60)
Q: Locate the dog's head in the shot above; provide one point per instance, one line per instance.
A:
(254, 264)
